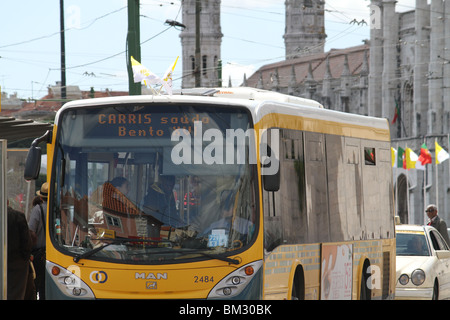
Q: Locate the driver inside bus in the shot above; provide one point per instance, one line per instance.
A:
(159, 202)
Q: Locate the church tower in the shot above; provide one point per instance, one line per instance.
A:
(210, 37)
(305, 28)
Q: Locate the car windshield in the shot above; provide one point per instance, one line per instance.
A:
(412, 244)
(130, 189)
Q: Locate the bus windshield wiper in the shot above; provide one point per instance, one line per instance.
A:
(90, 252)
(116, 241)
(205, 254)
(214, 256)
(219, 257)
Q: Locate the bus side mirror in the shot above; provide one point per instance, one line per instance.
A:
(33, 162)
(270, 169)
(271, 182)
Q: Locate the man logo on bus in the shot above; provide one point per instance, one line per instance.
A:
(226, 150)
(98, 277)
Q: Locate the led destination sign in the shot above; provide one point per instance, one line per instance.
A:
(147, 124)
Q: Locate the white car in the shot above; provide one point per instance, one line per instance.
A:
(423, 263)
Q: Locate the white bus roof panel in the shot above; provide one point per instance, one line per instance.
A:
(259, 102)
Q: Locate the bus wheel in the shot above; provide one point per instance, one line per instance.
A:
(298, 285)
(365, 292)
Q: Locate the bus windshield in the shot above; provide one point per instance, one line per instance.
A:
(152, 184)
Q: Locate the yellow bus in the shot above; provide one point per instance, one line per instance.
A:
(231, 193)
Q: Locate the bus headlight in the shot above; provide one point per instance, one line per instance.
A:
(235, 282)
(68, 281)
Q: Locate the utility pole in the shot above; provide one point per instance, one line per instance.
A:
(197, 43)
(133, 44)
(219, 73)
(63, 51)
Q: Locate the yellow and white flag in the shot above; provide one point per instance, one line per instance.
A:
(394, 158)
(441, 154)
(141, 73)
(167, 78)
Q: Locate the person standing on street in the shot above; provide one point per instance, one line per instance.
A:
(437, 222)
(19, 251)
(37, 224)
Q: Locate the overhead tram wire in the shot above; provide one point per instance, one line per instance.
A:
(107, 58)
(116, 54)
(125, 51)
(119, 53)
(58, 32)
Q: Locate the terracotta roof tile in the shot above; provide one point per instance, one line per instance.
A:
(50, 104)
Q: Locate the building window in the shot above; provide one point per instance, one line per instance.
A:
(112, 221)
(204, 65)
(193, 63)
(307, 4)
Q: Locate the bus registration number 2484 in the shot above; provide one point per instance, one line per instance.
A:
(203, 279)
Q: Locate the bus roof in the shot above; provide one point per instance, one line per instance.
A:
(252, 94)
(248, 96)
(260, 103)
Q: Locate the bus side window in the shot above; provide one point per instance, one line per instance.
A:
(369, 156)
(317, 187)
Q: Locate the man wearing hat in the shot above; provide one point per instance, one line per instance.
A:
(437, 222)
(37, 225)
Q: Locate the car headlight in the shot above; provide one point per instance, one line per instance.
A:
(418, 277)
(404, 279)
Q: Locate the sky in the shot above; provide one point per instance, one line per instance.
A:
(95, 40)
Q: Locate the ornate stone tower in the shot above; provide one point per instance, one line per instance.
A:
(210, 37)
(305, 28)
